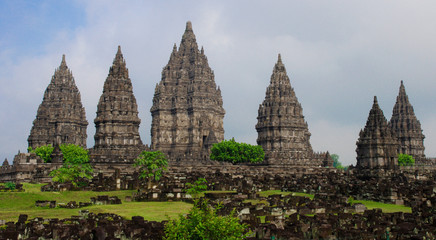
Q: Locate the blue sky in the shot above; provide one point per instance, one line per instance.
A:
(338, 55)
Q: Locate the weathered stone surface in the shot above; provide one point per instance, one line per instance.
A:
(282, 131)
(187, 106)
(117, 123)
(406, 127)
(61, 117)
(377, 145)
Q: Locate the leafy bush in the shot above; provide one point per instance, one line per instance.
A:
(405, 160)
(202, 222)
(232, 151)
(75, 167)
(44, 152)
(196, 188)
(10, 185)
(151, 165)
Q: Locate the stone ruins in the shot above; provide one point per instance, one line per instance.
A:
(117, 122)
(187, 106)
(61, 116)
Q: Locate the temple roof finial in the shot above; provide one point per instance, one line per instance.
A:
(375, 100)
(119, 53)
(188, 26)
(280, 58)
(63, 62)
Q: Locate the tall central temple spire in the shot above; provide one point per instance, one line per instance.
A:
(282, 131)
(187, 106)
(117, 122)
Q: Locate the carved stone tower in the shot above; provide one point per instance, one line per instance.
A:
(377, 145)
(61, 117)
(407, 127)
(282, 131)
(117, 122)
(187, 106)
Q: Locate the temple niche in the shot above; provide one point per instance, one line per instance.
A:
(406, 127)
(282, 131)
(117, 123)
(377, 144)
(60, 118)
(187, 112)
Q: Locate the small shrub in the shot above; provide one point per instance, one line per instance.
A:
(10, 185)
(44, 152)
(196, 188)
(202, 222)
(405, 160)
(350, 200)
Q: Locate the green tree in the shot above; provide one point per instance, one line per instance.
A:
(405, 160)
(234, 152)
(75, 166)
(203, 222)
(151, 165)
(44, 152)
(336, 163)
(196, 188)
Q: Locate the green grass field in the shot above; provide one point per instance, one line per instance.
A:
(12, 204)
(385, 207)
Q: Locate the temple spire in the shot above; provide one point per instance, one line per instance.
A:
(117, 123)
(187, 107)
(282, 131)
(376, 146)
(406, 126)
(60, 117)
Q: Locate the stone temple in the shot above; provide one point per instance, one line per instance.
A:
(187, 112)
(406, 127)
(377, 144)
(282, 131)
(117, 122)
(60, 118)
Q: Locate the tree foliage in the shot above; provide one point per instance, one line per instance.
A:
(234, 152)
(196, 188)
(75, 166)
(203, 222)
(44, 152)
(405, 160)
(151, 165)
(10, 185)
(336, 163)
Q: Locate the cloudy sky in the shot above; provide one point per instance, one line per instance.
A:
(338, 55)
